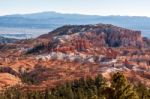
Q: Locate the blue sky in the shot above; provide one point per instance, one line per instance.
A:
(90, 7)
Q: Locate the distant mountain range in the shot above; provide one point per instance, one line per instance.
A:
(4, 40)
(52, 20)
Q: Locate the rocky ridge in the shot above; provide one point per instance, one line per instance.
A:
(85, 36)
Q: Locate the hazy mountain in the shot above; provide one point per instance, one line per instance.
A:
(4, 40)
(52, 20)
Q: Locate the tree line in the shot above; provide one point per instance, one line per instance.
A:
(86, 88)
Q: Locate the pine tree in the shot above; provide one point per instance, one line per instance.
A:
(122, 89)
(80, 94)
(143, 91)
(100, 81)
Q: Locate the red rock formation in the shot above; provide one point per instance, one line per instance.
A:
(83, 37)
(101, 35)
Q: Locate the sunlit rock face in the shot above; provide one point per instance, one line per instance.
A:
(83, 37)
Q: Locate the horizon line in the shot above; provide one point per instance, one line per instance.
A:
(36, 12)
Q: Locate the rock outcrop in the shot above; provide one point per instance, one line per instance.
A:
(82, 37)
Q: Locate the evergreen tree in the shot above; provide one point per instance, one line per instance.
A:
(80, 94)
(100, 81)
(143, 91)
(122, 89)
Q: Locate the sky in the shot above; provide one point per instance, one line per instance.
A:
(88, 7)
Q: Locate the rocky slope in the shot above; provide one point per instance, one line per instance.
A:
(81, 37)
(7, 80)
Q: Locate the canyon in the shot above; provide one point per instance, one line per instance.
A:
(74, 51)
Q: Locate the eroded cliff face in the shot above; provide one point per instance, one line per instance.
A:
(83, 37)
